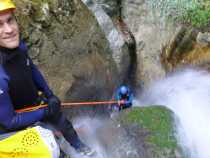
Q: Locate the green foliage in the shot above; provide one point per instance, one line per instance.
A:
(198, 16)
(194, 12)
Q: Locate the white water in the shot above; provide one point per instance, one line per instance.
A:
(187, 94)
(105, 137)
(88, 136)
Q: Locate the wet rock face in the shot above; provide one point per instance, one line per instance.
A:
(162, 46)
(65, 41)
(188, 47)
(112, 8)
(119, 43)
(150, 34)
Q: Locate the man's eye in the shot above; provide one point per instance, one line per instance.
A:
(11, 20)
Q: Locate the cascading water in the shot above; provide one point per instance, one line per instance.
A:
(108, 139)
(187, 94)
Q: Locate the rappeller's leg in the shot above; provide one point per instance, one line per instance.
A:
(69, 133)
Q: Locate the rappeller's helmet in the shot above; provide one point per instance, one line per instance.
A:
(6, 5)
(123, 90)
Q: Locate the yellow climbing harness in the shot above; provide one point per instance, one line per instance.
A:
(35, 142)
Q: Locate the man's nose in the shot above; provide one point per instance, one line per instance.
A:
(7, 28)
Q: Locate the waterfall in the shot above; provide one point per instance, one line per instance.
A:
(106, 138)
(187, 94)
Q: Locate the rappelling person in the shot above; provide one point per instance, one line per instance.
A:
(124, 96)
(21, 82)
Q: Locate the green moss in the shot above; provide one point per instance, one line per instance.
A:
(193, 12)
(158, 121)
(198, 16)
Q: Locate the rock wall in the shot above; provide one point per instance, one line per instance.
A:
(86, 48)
(67, 44)
(150, 34)
(162, 45)
(188, 47)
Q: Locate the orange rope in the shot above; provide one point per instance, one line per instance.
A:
(66, 105)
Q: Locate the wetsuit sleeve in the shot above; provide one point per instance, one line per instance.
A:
(130, 99)
(40, 81)
(118, 96)
(11, 120)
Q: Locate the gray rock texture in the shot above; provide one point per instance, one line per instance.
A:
(67, 44)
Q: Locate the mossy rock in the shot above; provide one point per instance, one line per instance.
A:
(157, 122)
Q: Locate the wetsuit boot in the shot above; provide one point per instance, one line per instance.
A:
(69, 133)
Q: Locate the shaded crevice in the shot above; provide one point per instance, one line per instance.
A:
(130, 79)
(129, 38)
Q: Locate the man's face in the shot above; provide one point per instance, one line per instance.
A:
(9, 31)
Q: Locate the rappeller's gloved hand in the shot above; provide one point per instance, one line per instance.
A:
(53, 108)
(127, 104)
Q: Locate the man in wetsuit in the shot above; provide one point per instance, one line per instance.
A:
(20, 82)
(124, 96)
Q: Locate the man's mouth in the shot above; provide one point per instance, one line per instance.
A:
(11, 38)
